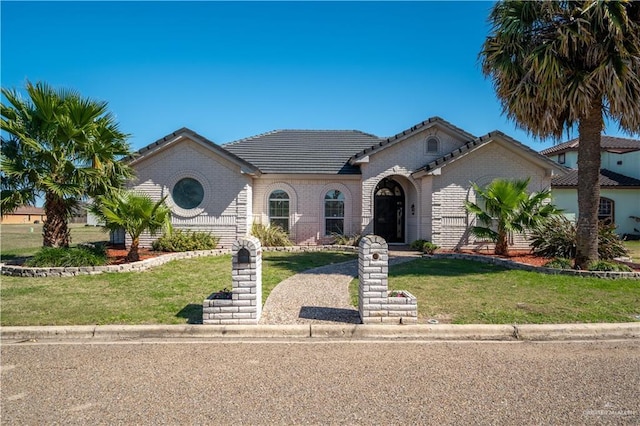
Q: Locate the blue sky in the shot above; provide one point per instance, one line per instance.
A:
(230, 70)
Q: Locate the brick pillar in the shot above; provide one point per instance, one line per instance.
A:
(375, 304)
(245, 304)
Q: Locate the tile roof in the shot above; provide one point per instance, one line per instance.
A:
(303, 151)
(608, 179)
(28, 210)
(477, 142)
(607, 143)
(390, 140)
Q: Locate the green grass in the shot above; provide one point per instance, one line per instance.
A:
(26, 240)
(169, 294)
(465, 292)
(634, 250)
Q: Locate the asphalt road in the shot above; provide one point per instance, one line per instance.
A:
(293, 382)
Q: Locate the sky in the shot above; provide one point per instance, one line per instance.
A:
(230, 70)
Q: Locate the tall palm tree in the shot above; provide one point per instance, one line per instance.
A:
(556, 65)
(507, 206)
(61, 147)
(135, 213)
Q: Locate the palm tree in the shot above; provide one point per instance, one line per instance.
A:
(61, 147)
(135, 213)
(508, 206)
(557, 65)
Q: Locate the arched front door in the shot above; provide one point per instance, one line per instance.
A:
(388, 215)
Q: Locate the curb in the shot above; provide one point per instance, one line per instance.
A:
(467, 332)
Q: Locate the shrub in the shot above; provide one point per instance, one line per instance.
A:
(424, 246)
(82, 255)
(185, 240)
(270, 236)
(559, 263)
(346, 240)
(602, 265)
(417, 244)
(556, 237)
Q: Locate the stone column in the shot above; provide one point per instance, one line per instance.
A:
(375, 304)
(244, 303)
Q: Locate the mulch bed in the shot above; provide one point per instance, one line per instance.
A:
(117, 255)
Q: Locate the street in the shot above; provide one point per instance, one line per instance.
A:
(320, 382)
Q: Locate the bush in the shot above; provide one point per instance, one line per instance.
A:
(426, 247)
(556, 237)
(185, 240)
(602, 265)
(270, 236)
(82, 255)
(346, 240)
(559, 263)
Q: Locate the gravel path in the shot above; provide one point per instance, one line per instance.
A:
(319, 295)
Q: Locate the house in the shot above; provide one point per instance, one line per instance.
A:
(24, 214)
(619, 181)
(315, 183)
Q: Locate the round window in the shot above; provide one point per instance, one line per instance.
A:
(188, 193)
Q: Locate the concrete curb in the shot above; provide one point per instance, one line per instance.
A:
(469, 332)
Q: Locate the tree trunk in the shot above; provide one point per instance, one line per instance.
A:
(134, 255)
(502, 243)
(590, 133)
(55, 231)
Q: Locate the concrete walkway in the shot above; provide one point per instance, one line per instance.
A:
(320, 295)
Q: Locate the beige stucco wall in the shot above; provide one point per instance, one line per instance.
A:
(225, 210)
(448, 222)
(12, 219)
(306, 203)
(626, 203)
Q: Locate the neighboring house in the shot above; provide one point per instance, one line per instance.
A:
(317, 183)
(619, 181)
(24, 214)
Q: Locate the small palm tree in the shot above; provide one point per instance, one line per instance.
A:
(508, 206)
(135, 213)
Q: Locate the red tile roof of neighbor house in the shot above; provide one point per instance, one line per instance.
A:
(608, 179)
(27, 210)
(608, 143)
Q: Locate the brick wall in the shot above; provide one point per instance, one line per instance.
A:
(225, 209)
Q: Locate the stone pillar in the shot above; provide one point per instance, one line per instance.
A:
(375, 303)
(243, 304)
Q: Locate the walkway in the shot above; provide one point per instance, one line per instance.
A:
(319, 295)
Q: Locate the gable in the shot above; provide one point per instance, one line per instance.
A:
(431, 126)
(183, 137)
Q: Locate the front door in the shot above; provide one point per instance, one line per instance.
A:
(389, 211)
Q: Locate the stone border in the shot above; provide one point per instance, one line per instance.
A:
(510, 264)
(143, 265)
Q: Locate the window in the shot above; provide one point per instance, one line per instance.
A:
(432, 145)
(562, 158)
(334, 213)
(279, 209)
(188, 193)
(605, 210)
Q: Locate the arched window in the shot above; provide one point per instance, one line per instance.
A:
(605, 210)
(334, 212)
(432, 145)
(279, 209)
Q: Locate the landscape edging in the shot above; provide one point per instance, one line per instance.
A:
(510, 264)
(24, 271)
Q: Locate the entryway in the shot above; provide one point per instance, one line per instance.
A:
(389, 213)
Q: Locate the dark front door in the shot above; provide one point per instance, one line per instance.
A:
(389, 211)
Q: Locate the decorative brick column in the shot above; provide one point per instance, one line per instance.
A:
(375, 304)
(244, 304)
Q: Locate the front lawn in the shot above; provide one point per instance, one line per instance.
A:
(465, 292)
(169, 294)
